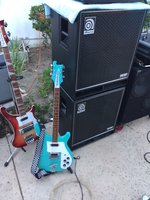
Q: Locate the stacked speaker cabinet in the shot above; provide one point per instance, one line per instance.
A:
(90, 117)
(136, 101)
(97, 51)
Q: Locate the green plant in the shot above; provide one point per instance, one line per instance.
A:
(147, 21)
(18, 61)
(39, 22)
(4, 127)
(46, 85)
(41, 109)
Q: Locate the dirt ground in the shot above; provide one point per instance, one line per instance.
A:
(39, 59)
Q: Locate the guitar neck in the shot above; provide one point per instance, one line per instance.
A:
(7, 54)
(14, 83)
(56, 114)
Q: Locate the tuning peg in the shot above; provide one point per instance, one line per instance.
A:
(8, 33)
(5, 24)
(63, 76)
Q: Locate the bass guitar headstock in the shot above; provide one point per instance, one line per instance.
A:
(57, 74)
(4, 39)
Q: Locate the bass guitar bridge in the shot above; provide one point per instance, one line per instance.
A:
(54, 156)
(30, 138)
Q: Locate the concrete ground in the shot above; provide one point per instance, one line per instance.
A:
(112, 168)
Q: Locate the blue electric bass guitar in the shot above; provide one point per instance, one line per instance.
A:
(55, 154)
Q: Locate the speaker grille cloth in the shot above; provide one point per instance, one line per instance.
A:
(110, 48)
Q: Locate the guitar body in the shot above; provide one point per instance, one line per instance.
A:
(25, 128)
(55, 157)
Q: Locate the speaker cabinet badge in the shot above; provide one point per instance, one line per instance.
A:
(89, 25)
(81, 107)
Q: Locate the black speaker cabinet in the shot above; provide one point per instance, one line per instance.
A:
(89, 117)
(97, 49)
(106, 1)
(136, 100)
(5, 92)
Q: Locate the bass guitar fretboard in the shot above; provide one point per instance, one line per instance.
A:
(56, 114)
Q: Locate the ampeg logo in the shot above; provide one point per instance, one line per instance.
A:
(89, 25)
(81, 107)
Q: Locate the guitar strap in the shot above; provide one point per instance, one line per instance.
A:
(38, 173)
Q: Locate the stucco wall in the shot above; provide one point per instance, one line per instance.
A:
(15, 13)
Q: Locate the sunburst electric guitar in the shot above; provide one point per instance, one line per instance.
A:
(55, 154)
(24, 124)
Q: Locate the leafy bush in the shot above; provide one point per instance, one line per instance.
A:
(4, 127)
(46, 85)
(41, 109)
(17, 58)
(39, 22)
(147, 20)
